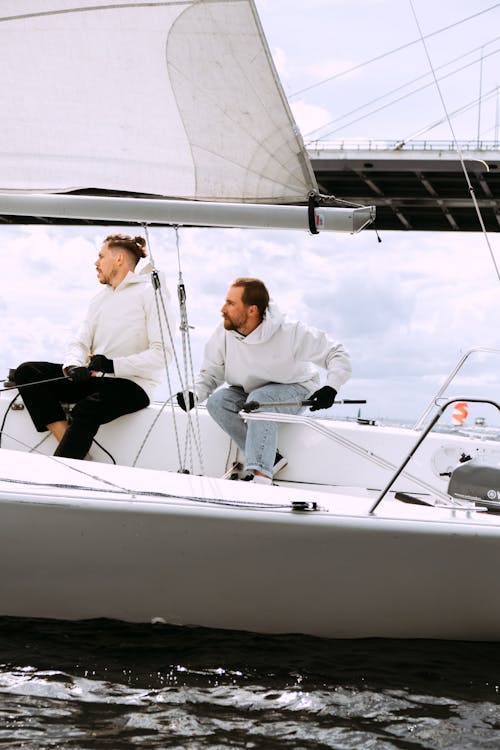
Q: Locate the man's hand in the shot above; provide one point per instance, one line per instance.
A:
(100, 363)
(77, 374)
(182, 403)
(323, 398)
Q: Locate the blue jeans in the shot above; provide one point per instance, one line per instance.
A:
(257, 439)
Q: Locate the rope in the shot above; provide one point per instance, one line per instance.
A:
(247, 504)
(34, 448)
(457, 147)
(11, 404)
(60, 461)
(114, 488)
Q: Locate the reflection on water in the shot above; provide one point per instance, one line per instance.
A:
(105, 684)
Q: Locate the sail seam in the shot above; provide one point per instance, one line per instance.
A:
(90, 8)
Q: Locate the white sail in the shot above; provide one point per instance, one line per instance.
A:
(176, 99)
(174, 102)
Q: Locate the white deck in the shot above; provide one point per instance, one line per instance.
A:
(344, 454)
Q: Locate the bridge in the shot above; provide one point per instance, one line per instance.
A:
(419, 186)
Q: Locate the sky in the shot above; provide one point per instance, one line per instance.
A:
(407, 308)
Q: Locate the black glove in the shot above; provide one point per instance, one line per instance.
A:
(100, 363)
(78, 374)
(323, 398)
(182, 402)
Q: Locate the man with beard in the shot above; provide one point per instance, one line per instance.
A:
(260, 355)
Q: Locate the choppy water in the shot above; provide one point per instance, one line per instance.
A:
(105, 684)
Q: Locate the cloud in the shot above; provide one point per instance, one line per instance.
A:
(309, 117)
(406, 309)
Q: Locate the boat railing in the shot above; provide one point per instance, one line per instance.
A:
(433, 405)
(328, 432)
(411, 453)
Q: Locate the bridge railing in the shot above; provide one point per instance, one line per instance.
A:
(379, 145)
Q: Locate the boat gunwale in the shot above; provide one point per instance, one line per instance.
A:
(458, 520)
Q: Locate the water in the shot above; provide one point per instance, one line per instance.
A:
(108, 685)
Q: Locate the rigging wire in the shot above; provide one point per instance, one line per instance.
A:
(398, 99)
(460, 110)
(392, 52)
(464, 108)
(456, 144)
(162, 316)
(193, 431)
(411, 82)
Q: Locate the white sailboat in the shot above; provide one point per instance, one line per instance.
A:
(336, 548)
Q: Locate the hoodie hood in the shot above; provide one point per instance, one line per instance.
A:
(134, 277)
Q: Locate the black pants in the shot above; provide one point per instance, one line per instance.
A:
(96, 401)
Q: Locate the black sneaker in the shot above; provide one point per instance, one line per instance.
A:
(234, 472)
(279, 463)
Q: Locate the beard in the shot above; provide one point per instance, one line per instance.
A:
(231, 325)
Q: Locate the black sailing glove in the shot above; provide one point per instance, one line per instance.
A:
(182, 403)
(323, 398)
(77, 374)
(100, 363)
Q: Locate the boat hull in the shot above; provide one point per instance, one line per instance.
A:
(203, 556)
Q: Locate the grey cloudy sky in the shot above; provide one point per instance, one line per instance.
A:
(406, 308)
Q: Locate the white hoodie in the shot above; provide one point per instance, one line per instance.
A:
(277, 351)
(123, 325)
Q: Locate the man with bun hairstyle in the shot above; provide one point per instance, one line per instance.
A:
(114, 362)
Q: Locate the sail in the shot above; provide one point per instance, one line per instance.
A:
(178, 99)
